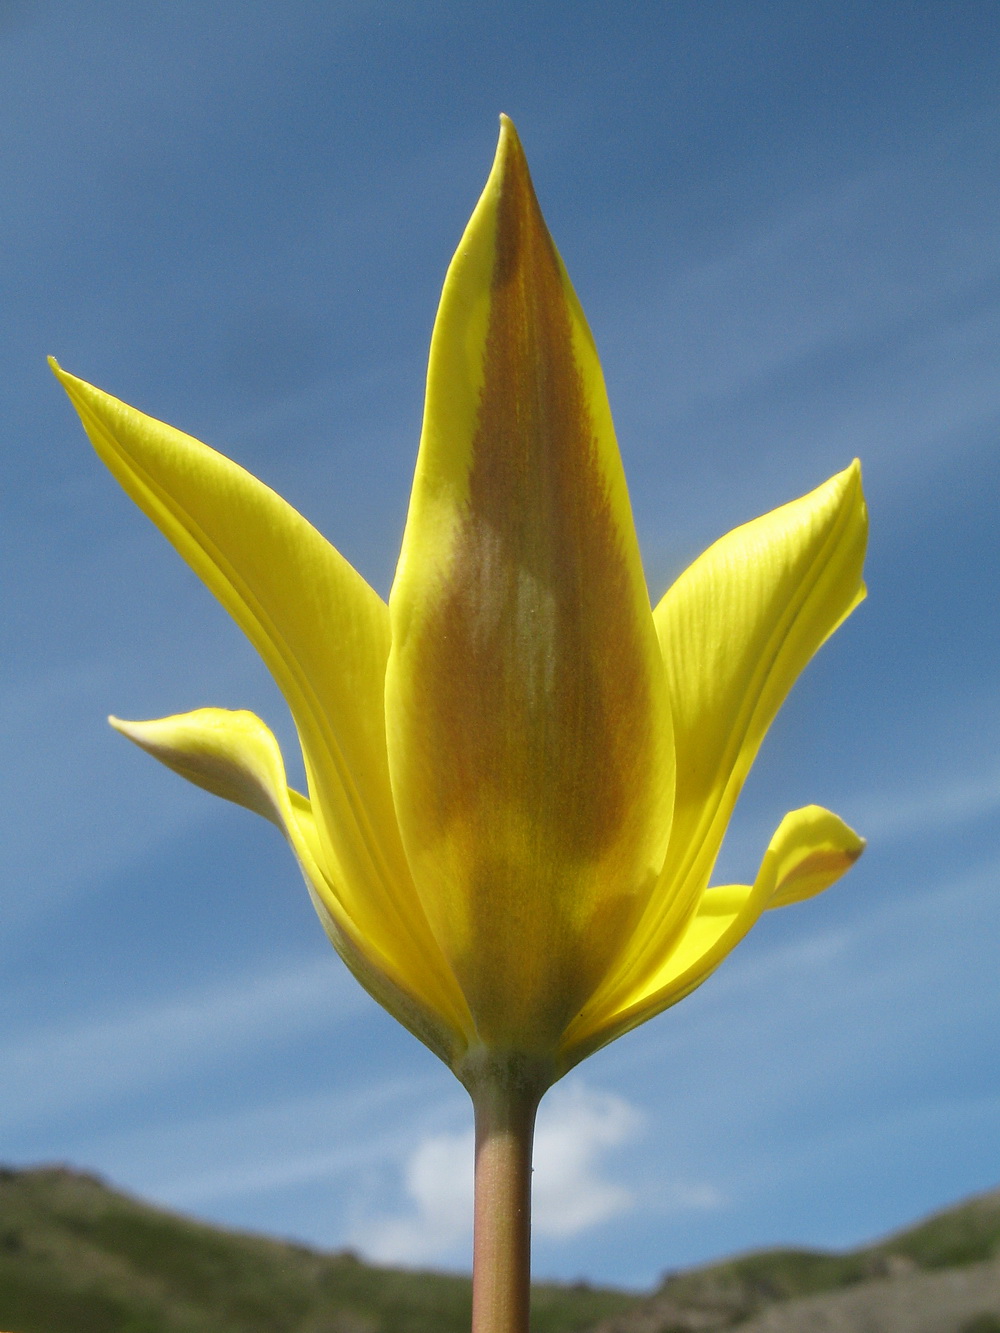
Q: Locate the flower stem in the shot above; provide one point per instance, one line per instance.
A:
(505, 1104)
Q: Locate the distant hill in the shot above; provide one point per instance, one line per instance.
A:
(940, 1276)
(79, 1257)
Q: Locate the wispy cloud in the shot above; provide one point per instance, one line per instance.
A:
(72, 815)
(932, 808)
(860, 321)
(577, 1126)
(60, 1070)
(877, 274)
(281, 1145)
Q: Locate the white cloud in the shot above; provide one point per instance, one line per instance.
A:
(576, 1125)
(438, 1179)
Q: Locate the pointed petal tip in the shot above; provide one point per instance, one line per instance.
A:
(508, 131)
(509, 163)
(65, 378)
(76, 388)
(149, 734)
(70, 383)
(509, 143)
(230, 753)
(132, 730)
(851, 477)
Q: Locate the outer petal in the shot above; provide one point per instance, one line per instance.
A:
(810, 850)
(323, 633)
(528, 725)
(231, 754)
(735, 630)
(234, 755)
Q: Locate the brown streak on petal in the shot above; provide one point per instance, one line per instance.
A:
(538, 690)
(825, 862)
(538, 569)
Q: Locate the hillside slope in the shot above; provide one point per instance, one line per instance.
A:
(944, 1270)
(78, 1257)
(952, 1300)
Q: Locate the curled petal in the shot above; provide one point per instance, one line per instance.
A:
(231, 754)
(528, 722)
(810, 850)
(234, 755)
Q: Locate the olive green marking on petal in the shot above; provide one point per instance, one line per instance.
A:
(516, 613)
(536, 752)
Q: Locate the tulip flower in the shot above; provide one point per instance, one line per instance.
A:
(519, 773)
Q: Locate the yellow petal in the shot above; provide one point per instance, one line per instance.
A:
(231, 754)
(735, 630)
(528, 724)
(738, 628)
(811, 849)
(323, 633)
(234, 755)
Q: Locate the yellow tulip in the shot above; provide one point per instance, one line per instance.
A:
(519, 773)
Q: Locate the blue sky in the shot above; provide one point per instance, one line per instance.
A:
(781, 220)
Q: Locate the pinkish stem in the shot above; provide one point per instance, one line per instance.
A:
(505, 1103)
